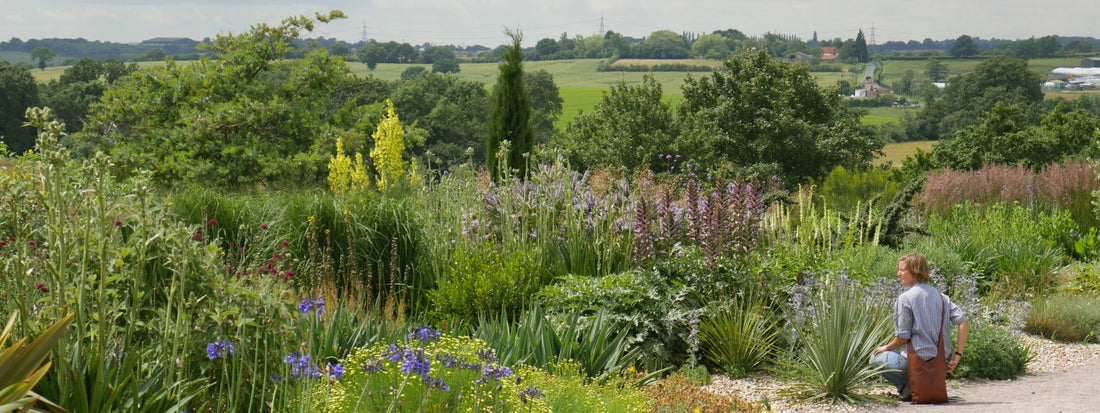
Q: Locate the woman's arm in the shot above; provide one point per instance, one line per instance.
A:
(960, 344)
(897, 342)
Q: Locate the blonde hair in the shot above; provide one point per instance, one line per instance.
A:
(917, 265)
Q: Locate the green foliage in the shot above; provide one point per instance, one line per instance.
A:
(599, 345)
(509, 118)
(567, 389)
(993, 353)
(371, 54)
(629, 128)
(740, 336)
(1013, 249)
(546, 103)
(44, 55)
(246, 117)
(769, 117)
(1066, 318)
(964, 46)
(843, 189)
(835, 338)
(1000, 79)
(1007, 135)
(452, 112)
(18, 92)
(484, 278)
(22, 365)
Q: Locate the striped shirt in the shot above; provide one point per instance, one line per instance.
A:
(916, 315)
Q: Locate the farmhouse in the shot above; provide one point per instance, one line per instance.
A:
(828, 53)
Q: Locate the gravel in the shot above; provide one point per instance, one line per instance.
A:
(1049, 358)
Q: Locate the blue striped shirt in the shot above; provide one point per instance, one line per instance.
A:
(916, 315)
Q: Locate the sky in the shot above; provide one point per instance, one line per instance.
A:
(472, 22)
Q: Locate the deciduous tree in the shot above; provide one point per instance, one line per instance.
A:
(964, 46)
(43, 55)
(761, 115)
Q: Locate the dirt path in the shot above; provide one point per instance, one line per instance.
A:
(1074, 389)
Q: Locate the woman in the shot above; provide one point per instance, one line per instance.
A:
(917, 318)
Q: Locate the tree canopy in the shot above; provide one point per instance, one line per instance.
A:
(247, 116)
(18, 91)
(760, 115)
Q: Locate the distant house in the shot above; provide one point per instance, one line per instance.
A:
(1090, 62)
(869, 89)
(828, 53)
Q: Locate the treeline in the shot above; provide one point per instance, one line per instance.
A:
(1046, 46)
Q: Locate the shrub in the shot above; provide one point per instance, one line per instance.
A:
(1069, 318)
(486, 279)
(992, 352)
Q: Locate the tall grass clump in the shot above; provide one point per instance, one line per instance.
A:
(370, 241)
(837, 326)
(1013, 249)
(846, 189)
(1067, 318)
(1065, 187)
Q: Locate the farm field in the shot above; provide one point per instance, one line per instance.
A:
(894, 153)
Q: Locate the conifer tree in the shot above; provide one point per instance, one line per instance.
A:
(509, 119)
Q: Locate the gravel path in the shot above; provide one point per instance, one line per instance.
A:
(1061, 378)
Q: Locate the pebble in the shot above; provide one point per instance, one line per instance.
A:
(1049, 357)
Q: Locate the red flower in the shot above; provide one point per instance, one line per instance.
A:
(42, 288)
(288, 274)
(3, 243)
(31, 243)
(285, 244)
(118, 224)
(196, 237)
(263, 227)
(211, 223)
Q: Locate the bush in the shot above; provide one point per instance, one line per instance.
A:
(486, 279)
(993, 353)
(845, 189)
(1069, 318)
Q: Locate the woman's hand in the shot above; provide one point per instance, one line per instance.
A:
(953, 362)
(879, 350)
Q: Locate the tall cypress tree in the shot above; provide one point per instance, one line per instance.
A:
(510, 117)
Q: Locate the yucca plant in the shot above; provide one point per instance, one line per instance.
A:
(739, 337)
(22, 366)
(837, 338)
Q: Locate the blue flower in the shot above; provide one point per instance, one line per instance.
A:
(219, 349)
(300, 365)
(306, 305)
(416, 362)
(426, 333)
(530, 392)
(336, 371)
(373, 366)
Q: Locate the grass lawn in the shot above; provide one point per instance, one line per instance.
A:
(878, 116)
(895, 153)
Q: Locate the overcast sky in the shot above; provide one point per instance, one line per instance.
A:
(469, 22)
